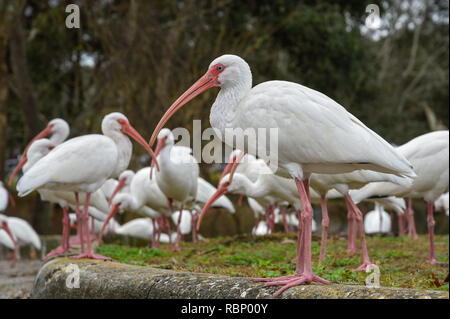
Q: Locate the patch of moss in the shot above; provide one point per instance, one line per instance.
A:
(402, 261)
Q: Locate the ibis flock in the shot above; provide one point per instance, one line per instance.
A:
(323, 152)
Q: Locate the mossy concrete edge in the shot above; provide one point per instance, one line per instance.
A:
(100, 279)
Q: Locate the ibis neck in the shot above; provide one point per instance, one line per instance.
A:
(59, 136)
(133, 202)
(31, 160)
(165, 156)
(223, 112)
(254, 189)
(124, 149)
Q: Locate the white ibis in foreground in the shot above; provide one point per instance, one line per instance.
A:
(315, 135)
(429, 153)
(83, 164)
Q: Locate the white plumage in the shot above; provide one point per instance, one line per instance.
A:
(4, 200)
(205, 190)
(442, 203)
(22, 230)
(429, 154)
(5, 240)
(377, 221)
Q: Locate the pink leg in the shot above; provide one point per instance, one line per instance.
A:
(167, 227)
(304, 273)
(5, 227)
(79, 222)
(65, 237)
(112, 214)
(351, 228)
(430, 221)
(268, 213)
(392, 219)
(90, 254)
(160, 223)
(411, 223)
(359, 220)
(300, 245)
(177, 242)
(325, 223)
(256, 223)
(194, 216)
(93, 237)
(155, 242)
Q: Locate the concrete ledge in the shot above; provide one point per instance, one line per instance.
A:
(98, 279)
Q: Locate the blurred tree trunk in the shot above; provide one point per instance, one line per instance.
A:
(8, 16)
(3, 99)
(22, 79)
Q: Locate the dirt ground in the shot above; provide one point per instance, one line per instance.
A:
(16, 282)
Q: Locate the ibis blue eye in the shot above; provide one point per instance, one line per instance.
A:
(219, 68)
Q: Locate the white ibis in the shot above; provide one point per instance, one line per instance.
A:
(204, 191)
(392, 203)
(429, 153)
(251, 167)
(57, 129)
(98, 204)
(5, 197)
(113, 186)
(440, 204)
(142, 228)
(128, 202)
(8, 239)
(315, 135)
(377, 221)
(22, 231)
(178, 175)
(144, 198)
(260, 229)
(83, 164)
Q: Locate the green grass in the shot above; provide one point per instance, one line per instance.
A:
(402, 261)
